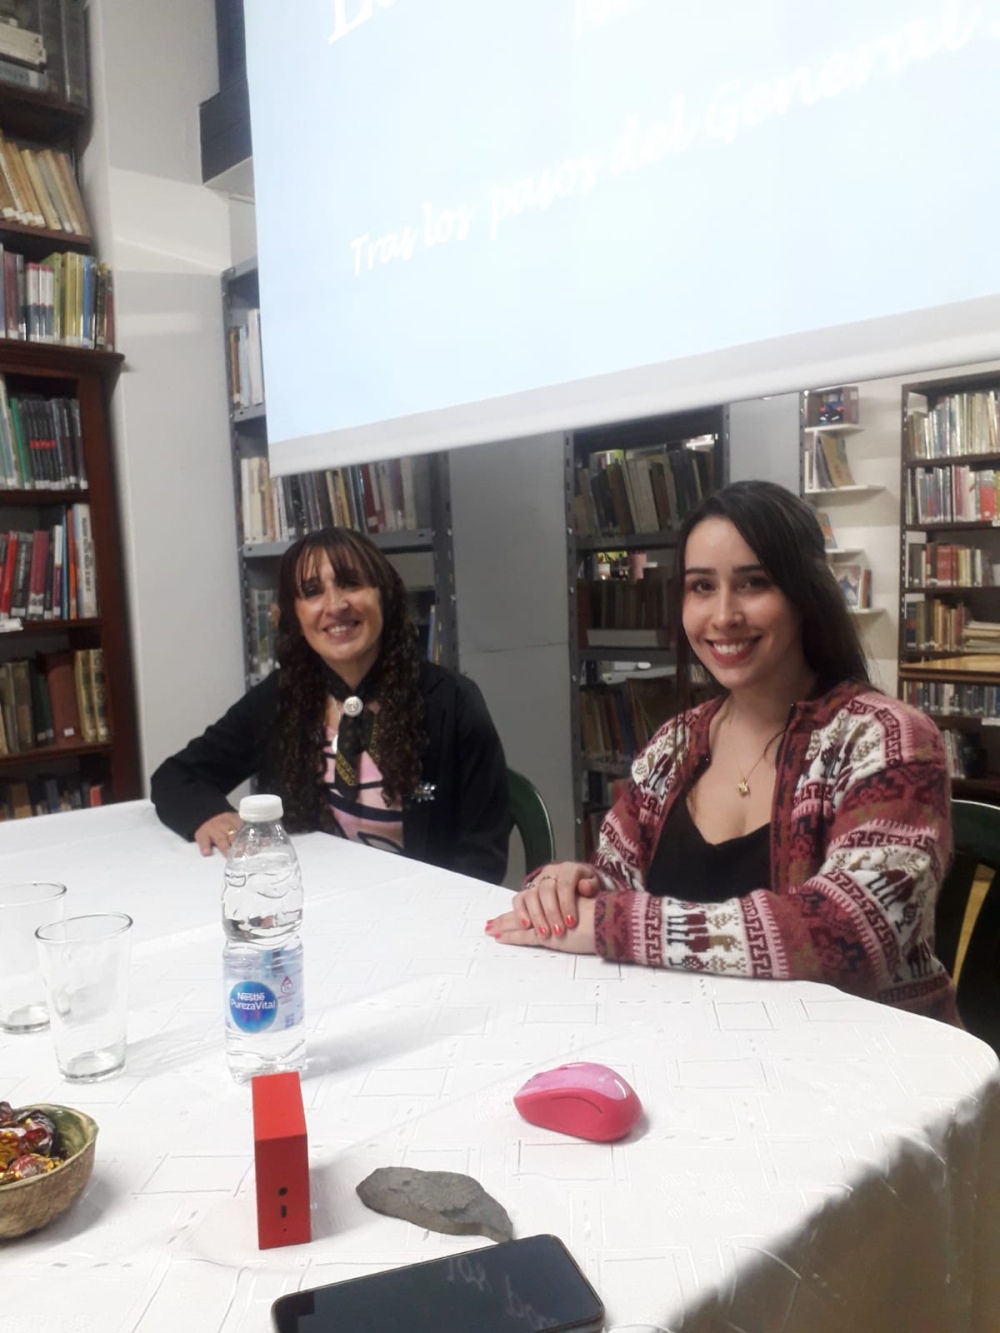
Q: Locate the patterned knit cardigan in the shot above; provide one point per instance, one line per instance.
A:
(860, 841)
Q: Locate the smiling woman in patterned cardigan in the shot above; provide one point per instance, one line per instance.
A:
(796, 825)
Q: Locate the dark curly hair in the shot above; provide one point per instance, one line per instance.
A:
(784, 534)
(302, 688)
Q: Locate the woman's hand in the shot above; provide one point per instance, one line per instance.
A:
(578, 938)
(549, 902)
(219, 831)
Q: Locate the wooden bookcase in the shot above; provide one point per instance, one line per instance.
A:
(410, 522)
(949, 622)
(628, 487)
(108, 769)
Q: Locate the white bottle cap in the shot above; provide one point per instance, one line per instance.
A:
(256, 809)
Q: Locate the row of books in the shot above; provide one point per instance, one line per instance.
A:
(946, 564)
(48, 795)
(621, 492)
(49, 573)
(626, 604)
(958, 494)
(246, 365)
(825, 465)
(41, 442)
(951, 699)
(66, 298)
(932, 625)
(393, 496)
(617, 720)
(38, 189)
(55, 699)
(958, 425)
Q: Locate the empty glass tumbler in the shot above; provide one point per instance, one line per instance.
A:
(23, 908)
(85, 965)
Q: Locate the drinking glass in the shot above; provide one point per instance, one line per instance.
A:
(23, 908)
(85, 966)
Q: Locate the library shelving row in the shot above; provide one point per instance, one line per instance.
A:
(628, 488)
(68, 734)
(403, 505)
(949, 622)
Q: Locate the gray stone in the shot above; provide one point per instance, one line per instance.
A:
(441, 1200)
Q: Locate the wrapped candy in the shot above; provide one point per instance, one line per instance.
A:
(29, 1144)
(28, 1165)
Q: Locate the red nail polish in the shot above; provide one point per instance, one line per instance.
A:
(525, 923)
(557, 930)
(543, 932)
(487, 926)
(571, 921)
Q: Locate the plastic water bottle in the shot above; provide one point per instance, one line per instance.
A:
(262, 957)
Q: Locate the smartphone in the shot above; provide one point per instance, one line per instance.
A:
(518, 1286)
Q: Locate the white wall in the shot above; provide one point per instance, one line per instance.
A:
(508, 507)
(167, 238)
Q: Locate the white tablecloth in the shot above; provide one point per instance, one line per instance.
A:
(808, 1161)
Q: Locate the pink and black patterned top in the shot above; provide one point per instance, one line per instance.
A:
(366, 818)
(860, 841)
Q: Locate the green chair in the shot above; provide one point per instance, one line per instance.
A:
(531, 819)
(976, 833)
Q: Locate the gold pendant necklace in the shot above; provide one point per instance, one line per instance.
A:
(743, 786)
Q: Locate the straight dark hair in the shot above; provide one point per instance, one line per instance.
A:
(784, 534)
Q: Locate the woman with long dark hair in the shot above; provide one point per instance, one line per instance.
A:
(796, 823)
(357, 734)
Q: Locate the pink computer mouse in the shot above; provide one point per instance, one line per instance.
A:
(586, 1100)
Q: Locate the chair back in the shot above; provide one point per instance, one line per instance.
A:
(531, 819)
(976, 835)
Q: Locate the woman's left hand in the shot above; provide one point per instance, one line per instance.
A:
(507, 929)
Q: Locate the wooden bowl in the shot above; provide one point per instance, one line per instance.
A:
(26, 1205)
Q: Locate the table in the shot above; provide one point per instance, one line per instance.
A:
(808, 1161)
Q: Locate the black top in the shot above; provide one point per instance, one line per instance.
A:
(459, 819)
(687, 867)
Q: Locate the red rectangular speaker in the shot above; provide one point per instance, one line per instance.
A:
(281, 1154)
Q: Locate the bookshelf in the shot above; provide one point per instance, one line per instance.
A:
(403, 505)
(628, 488)
(68, 733)
(949, 624)
(829, 419)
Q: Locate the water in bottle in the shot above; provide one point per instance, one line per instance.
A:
(262, 957)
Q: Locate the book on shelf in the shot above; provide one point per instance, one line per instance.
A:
(851, 580)
(83, 679)
(45, 39)
(826, 527)
(833, 467)
(58, 672)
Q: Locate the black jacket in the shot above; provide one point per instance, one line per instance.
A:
(463, 826)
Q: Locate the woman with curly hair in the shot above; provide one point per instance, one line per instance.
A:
(358, 735)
